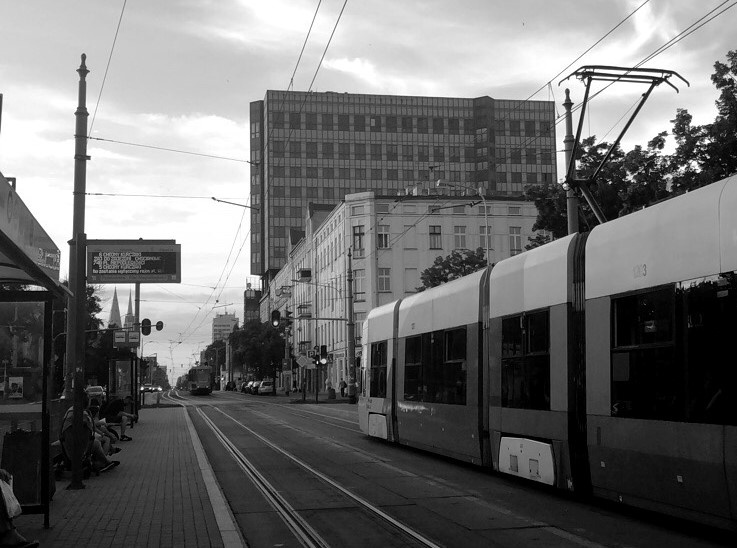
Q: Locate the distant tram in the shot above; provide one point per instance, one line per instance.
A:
(199, 380)
(603, 363)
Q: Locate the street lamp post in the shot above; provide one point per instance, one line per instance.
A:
(441, 183)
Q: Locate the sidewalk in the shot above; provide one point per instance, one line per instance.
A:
(156, 497)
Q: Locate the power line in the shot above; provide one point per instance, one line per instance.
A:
(110, 58)
(178, 151)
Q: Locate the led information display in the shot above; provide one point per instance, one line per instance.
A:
(133, 261)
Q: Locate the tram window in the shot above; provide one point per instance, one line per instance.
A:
(526, 361)
(378, 369)
(710, 325)
(646, 378)
(435, 367)
(412, 368)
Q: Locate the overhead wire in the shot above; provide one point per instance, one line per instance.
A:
(107, 67)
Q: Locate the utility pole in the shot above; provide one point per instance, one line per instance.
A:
(74, 363)
(571, 198)
(351, 324)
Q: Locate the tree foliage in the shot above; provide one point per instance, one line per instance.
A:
(258, 348)
(459, 263)
(645, 175)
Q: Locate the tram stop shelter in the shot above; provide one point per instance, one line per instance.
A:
(29, 282)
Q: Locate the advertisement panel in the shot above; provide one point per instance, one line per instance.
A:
(133, 261)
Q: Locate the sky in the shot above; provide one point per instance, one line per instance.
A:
(182, 73)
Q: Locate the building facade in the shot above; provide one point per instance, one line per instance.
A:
(319, 147)
(223, 325)
(392, 240)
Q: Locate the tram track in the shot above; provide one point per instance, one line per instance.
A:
(306, 535)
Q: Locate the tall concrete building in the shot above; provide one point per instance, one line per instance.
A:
(223, 325)
(318, 147)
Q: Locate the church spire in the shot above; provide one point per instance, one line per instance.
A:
(130, 319)
(115, 312)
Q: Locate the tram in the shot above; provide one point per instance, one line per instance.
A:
(199, 380)
(601, 363)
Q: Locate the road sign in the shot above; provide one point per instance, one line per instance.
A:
(126, 339)
(305, 362)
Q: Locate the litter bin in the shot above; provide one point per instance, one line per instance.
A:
(352, 391)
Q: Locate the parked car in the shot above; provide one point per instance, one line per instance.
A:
(266, 387)
(146, 388)
(254, 387)
(246, 387)
(96, 392)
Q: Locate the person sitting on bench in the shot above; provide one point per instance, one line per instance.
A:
(114, 413)
(93, 447)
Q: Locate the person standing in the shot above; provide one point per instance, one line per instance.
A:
(343, 385)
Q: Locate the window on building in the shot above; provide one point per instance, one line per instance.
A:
(358, 241)
(515, 156)
(384, 279)
(295, 120)
(344, 151)
(514, 210)
(376, 123)
(359, 149)
(514, 127)
(295, 149)
(422, 126)
(391, 124)
(382, 237)
(392, 174)
(278, 148)
(360, 173)
(526, 361)
(546, 158)
(311, 120)
(544, 128)
(278, 120)
(327, 122)
(406, 124)
(312, 172)
(391, 152)
(344, 122)
(311, 149)
(454, 126)
(423, 153)
(530, 156)
(530, 128)
(376, 174)
(359, 122)
(344, 173)
(327, 150)
(515, 240)
(459, 237)
(377, 370)
(436, 241)
(454, 154)
(438, 125)
(407, 153)
(408, 175)
(438, 154)
(359, 284)
(376, 151)
(483, 243)
(328, 172)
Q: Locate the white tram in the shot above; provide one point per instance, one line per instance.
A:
(603, 362)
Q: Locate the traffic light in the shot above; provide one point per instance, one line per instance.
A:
(288, 316)
(323, 354)
(146, 326)
(159, 325)
(275, 318)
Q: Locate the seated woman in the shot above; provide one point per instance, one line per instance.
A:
(113, 413)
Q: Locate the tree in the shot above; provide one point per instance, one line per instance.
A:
(258, 347)
(459, 263)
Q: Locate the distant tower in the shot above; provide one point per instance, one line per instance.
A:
(130, 319)
(115, 312)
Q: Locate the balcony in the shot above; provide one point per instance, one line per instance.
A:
(304, 275)
(304, 311)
